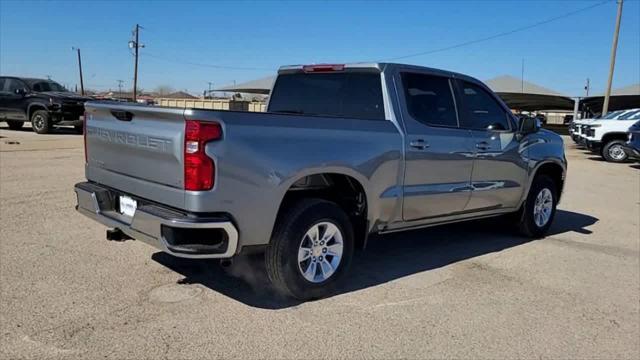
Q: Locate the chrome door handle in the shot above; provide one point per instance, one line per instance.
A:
(483, 145)
(419, 144)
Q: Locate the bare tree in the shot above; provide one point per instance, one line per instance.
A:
(163, 90)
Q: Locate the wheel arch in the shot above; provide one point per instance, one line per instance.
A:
(552, 169)
(617, 135)
(33, 108)
(347, 189)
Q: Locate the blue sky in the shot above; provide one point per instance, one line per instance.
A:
(36, 39)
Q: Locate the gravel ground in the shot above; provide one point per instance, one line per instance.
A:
(463, 291)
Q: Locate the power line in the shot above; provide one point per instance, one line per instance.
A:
(505, 33)
(182, 62)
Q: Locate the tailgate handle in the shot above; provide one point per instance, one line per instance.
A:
(122, 115)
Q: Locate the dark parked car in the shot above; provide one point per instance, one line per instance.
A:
(43, 102)
(632, 146)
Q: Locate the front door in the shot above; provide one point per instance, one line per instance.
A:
(439, 155)
(499, 171)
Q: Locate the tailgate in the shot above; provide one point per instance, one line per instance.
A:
(131, 146)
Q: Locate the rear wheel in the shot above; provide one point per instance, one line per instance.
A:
(539, 209)
(613, 151)
(15, 125)
(40, 122)
(310, 250)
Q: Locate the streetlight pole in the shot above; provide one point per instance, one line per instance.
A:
(80, 68)
(614, 48)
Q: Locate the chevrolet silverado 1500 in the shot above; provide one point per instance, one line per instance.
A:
(343, 151)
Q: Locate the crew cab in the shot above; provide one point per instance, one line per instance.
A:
(343, 152)
(608, 136)
(44, 103)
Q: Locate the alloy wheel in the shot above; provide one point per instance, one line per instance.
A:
(543, 207)
(320, 252)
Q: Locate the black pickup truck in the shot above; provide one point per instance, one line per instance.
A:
(44, 103)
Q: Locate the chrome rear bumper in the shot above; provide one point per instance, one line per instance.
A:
(149, 221)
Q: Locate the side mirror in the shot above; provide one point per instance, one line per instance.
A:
(21, 92)
(529, 125)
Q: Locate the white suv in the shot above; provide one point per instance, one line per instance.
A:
(608, 136)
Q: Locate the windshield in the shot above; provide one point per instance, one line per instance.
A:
(355, 95)
(631, 115)
(42, 86)
(613, 114)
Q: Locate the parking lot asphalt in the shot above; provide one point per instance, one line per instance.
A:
(462, 291)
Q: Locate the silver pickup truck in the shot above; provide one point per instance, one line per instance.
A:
(343, 151)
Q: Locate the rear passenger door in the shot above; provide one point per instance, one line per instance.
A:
(438, 154)
(499, 171)
(13, 105)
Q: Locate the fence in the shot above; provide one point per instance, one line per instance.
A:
(213, 104)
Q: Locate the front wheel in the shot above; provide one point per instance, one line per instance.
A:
(539, 209)
(40, 122)
(613, 151)
(310, 250)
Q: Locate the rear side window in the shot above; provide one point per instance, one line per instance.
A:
(12, 85)
(429, 99)
(342, 94)
(481, 110)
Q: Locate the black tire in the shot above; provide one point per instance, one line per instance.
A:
(614, 152)
(41, 122)
(527, 225)
(281, 256)
(15, 125)
(79, 129)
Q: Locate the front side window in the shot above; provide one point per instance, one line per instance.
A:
(429, 99)
(482, 110)
(342, 94)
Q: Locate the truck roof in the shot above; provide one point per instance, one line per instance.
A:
(381, 66)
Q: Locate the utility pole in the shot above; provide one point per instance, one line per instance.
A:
(120, 87)
(210, 85)
(135, 44)
(522, 76)
(614, 48)
(587, 87)
(80, 68)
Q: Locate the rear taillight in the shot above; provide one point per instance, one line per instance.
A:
(199, 169)
(323, 68)
(84, 135)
